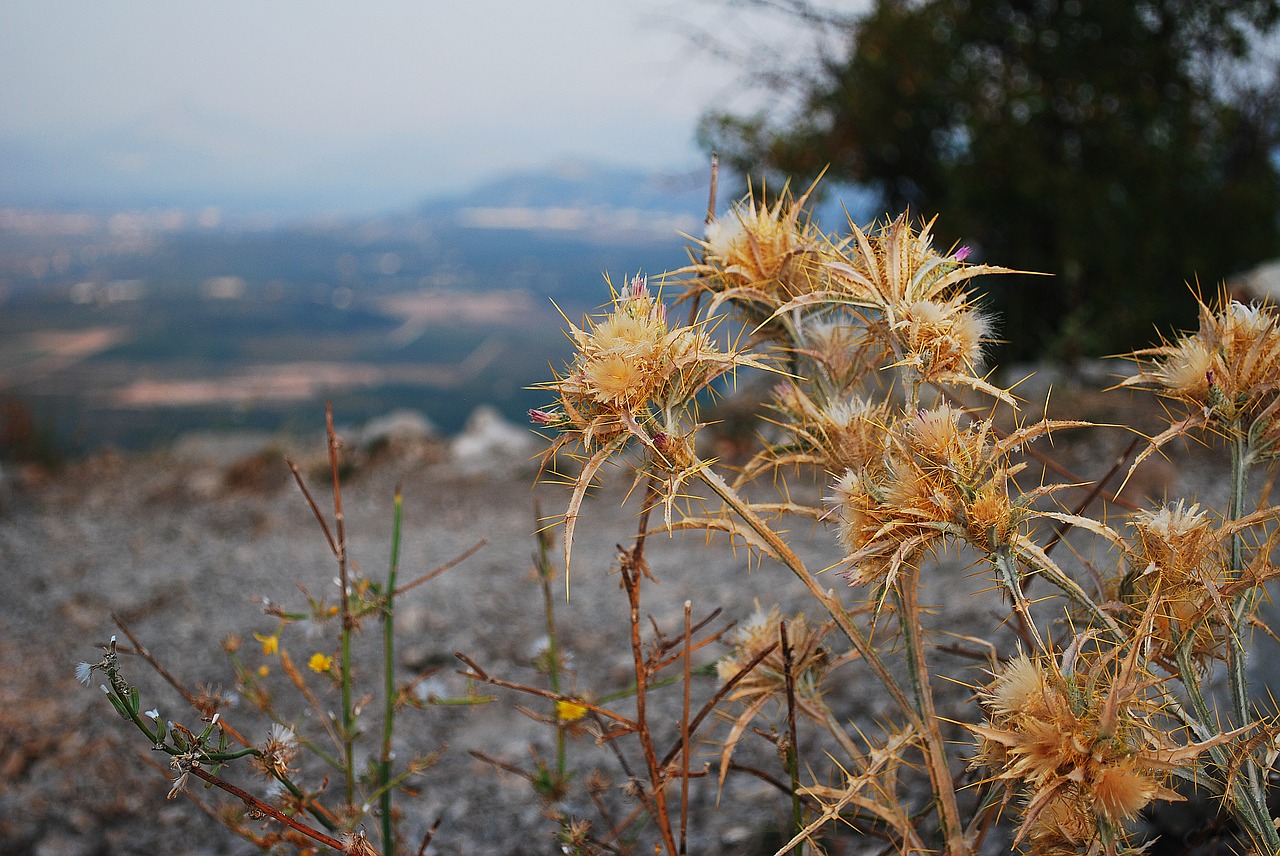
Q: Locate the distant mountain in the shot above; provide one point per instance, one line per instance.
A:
(581, 185)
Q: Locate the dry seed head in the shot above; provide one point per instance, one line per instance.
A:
(937, 480)
(843, 349)
(892, 266)
(1229, 368)
(922, 310)
(278, 752)
(618, 379)
(991, 516)
(943, 339)
(760, 632)
(1079, 744)
(628, 363)
(936, 434)
(1174, 541)
(771, 250)
(845, 434)
(1019, 689)
(853, 431)
(1063, 825)
(1176, 554)
(1123, 789)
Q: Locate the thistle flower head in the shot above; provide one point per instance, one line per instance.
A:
(942, 340)
(634, 377)
(808, 659)
(922, 313)
(1228, 370)
(761, 256)
(1078, 743)
(1176, 555)
(938, 478)
(840, 348)
(847, 433)
(631, 363)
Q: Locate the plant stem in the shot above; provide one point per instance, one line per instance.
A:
(935, 755)
(792, 756)
(1255, 789)
(908, 593)
(347, 619)
(389, 682)
(545, 573)
(1246, 806)
(631, 575)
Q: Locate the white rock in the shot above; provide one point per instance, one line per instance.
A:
(396, 427)
(490, 444)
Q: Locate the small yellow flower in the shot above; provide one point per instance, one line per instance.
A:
(270, 644)
(569, 711)
(320, 663)
(263, 671)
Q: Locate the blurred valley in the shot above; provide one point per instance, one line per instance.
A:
(131, 327)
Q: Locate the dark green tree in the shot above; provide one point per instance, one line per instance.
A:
(1127, 148)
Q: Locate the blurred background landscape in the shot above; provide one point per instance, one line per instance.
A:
(219, 217)
(132, 327)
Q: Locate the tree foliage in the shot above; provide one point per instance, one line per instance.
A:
(1126, 148)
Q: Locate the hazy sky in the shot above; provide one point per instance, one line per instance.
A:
(377, 99)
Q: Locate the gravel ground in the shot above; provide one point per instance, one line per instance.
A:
(181, 544)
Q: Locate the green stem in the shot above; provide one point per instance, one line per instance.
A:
(389, 683)
(1250, 808)
(1235, 643)
(1253, 801)
(553, 649)
(347, 619)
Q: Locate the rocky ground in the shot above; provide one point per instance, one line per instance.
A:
(183, 545)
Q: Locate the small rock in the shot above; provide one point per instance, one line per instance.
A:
(398, 425)
(491, 445)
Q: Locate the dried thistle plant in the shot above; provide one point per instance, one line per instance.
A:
(634, 380)
(1098, 700)
(1086, 738)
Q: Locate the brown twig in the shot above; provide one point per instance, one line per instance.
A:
(706, 709)
(792, 755)
(479, 674)
(449, 565)
(684, 728)
(631, 575)
(430, 834)
(311, 503)
(256, 805)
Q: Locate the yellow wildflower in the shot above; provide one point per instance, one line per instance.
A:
(270, 644)
(569, 711)
(320, 663)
